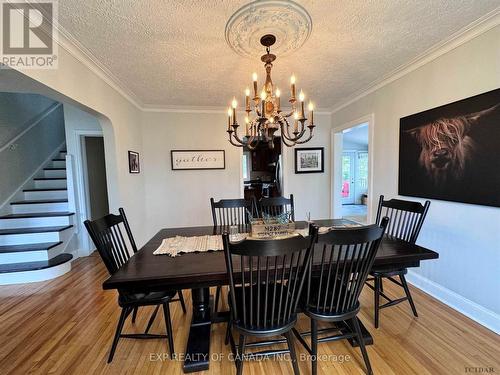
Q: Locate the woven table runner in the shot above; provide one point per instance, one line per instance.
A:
(178, 245)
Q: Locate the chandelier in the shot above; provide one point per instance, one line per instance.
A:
(269, 121)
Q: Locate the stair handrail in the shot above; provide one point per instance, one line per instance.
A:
(35, 122)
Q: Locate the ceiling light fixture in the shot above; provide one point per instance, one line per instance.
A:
(268, 116)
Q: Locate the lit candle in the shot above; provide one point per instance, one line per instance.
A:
(311, 113)
(247, 99)
(278, 100)
(229, 119)
(263, 101)
(296, 123)
(234, 104)
(301, 98)
(254, 78)
(292, 81)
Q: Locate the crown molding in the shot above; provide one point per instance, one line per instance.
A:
(469, 32)
(202, 109)
(82, 54)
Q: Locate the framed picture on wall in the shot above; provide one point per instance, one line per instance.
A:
(133, 162)
(197, 159)
(452, 152)
(309, 160)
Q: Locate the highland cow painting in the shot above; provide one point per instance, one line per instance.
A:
(452, 152)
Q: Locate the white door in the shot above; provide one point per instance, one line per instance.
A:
(348, 177)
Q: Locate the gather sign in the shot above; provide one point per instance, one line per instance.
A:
(197, 159)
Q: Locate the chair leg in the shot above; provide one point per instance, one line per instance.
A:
(314, 346)
(408, 294)
(168, 323)
(181, 300)
(293, 354)
(382, 284)
(134, 314)
(377, 299)
(228, 332)
(217, 297)
(152, 319)
(361, 342)
(239, 358)
(118, 332)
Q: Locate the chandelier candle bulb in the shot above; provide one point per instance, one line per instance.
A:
(247, 99)
(296, 123)
(229, 119)
(234, 104)
(292, 81)
(311, 113)
(278, 100)
(301, 98)
(247, 131)
(254, 78)
(263, 102)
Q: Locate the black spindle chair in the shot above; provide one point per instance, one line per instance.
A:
(115, 250)
(227, 212)
(266, 278)
(277, 205)
(406, 220)
(334, 285)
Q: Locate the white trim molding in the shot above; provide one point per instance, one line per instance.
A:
(336, 144)
(476, 312)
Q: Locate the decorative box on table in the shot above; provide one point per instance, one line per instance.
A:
(271, 229)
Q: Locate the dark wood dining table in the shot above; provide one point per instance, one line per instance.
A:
(199, 271)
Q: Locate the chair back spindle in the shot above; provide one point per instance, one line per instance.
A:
(278, 205)
(228, 212)
(406, 217)
(266, 280)
(114, 244)
(346, 257)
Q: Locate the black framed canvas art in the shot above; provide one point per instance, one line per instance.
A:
(309, 160)
(452, 152)
(133, 162)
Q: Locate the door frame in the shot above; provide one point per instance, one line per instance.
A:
(81, 191)
(336, 154)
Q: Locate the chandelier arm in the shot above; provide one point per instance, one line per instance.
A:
(286, 140)
(234, 144)
(287, 134)
(308, 139)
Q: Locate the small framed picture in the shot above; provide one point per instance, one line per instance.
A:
(133, 162)
(309, 160)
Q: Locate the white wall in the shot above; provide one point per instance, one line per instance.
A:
(467, 237)
(311, 190)
(181, 198)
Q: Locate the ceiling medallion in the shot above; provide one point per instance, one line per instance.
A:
(288, 21)
(268, 115)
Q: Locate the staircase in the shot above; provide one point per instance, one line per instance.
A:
(37, 231)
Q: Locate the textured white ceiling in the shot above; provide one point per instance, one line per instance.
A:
(173, 53)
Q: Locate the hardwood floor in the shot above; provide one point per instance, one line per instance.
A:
(65, 326)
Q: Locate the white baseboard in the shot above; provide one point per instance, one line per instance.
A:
(476, 312)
